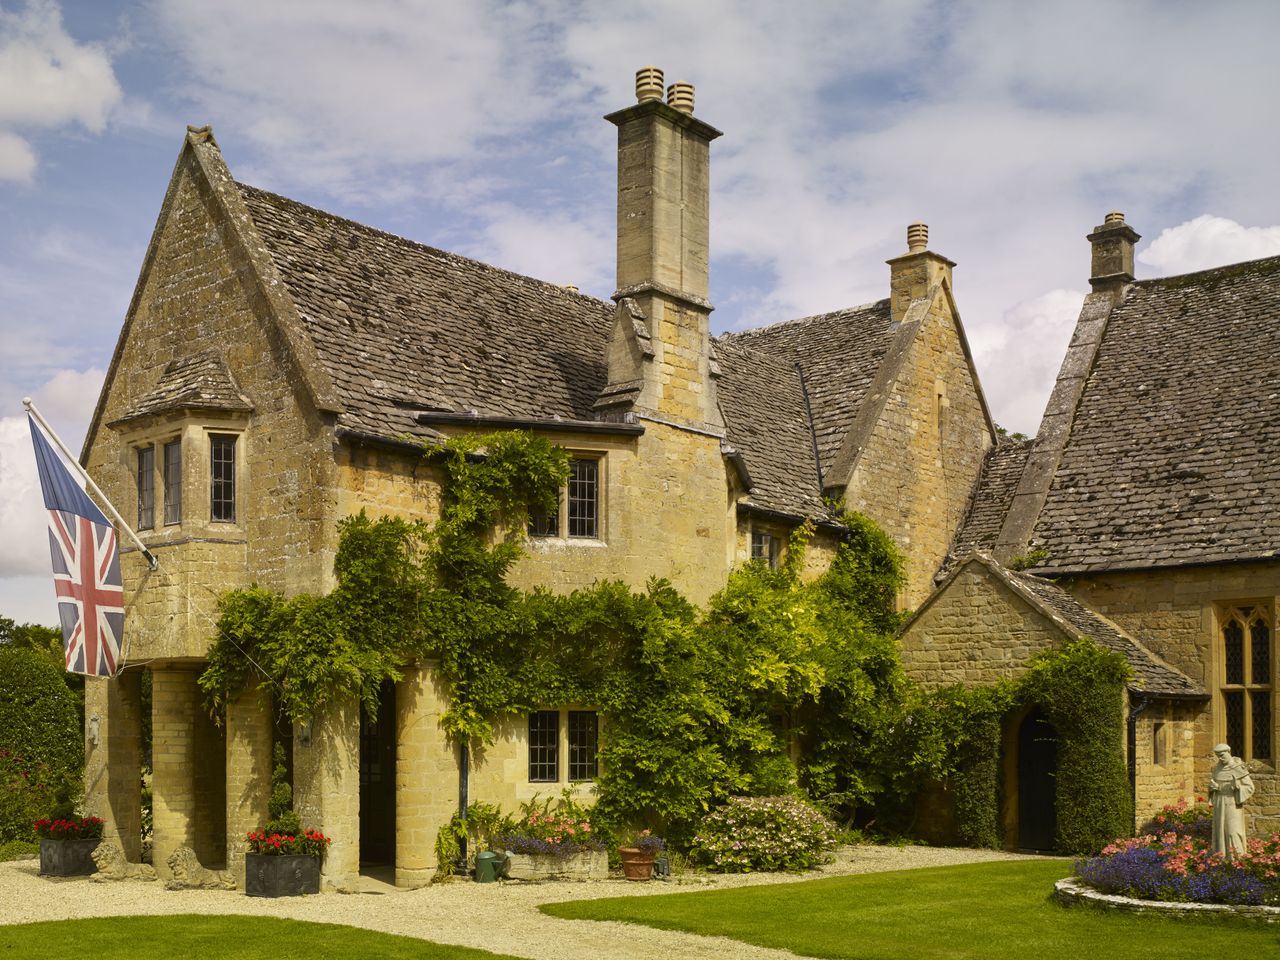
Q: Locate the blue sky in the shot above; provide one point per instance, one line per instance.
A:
(1011, 128)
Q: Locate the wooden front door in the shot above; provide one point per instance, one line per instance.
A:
(1037, 782)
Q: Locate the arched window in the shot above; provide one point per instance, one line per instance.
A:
(1246, 651)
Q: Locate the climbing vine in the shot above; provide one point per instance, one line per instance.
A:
(698, 705)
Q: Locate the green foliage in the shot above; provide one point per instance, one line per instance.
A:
(748, 834)
(281, 817)
(698, 706)
(1025, 561)
(403, 589)
(484, 824)
(18, 849)
(40, 740)
(1081, 689)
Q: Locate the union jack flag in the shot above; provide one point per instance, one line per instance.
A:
(86, 567)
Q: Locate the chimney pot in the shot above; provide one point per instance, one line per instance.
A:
(1115, 216)
(649, 84)
(917, 237)
(680, 96)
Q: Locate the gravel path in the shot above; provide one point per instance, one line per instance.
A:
(501, 917)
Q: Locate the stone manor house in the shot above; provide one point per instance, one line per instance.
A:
(280, 368)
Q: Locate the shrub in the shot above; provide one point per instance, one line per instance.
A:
(1184, 819)
(18, 849)
(24, 797)
(764, 833)
(41, 745)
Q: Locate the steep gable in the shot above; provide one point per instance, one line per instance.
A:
(1171, 451)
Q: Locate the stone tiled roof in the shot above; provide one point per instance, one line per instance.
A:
(1172, 457)
(1150, 674)
(403, 328)
(996, 486)
(198, 382)
(839, 353)
(765, 420)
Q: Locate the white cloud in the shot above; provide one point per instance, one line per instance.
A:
(556, 249)
(17, 159)
(47, 81)
(1208, 241)
(1021, 358)
(67, 402)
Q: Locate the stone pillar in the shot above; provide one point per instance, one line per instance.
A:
(248, 787)
(326, 784)
(113, 757)
(426, 775)
(175, 703)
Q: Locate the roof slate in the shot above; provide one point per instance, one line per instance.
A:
(200, 381)
(403, 328)
(996, 486)
(1172, 452)
(839, 353)
(1151, 675)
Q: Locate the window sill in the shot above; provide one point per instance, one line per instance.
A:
(547, 543)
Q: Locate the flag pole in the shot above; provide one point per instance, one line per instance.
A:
(30, 406)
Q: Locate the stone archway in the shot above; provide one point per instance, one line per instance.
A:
(1037, 769)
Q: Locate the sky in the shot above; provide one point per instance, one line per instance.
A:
(1011, 128)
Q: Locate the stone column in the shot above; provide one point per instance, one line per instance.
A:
(426, 775)
(113, 757)
(248, 771)
(326, 784)
(175, 701)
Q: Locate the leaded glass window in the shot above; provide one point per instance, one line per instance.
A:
(544, 746)
(222, 477)
(584, 498)
(583, 737)
(1247, 679)
(146, 487)
(173, 482)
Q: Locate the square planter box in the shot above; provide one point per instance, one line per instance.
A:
(589, 865)
(67, 858)
(288, 876)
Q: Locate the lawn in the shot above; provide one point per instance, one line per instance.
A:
(992, 910)
(216, 938)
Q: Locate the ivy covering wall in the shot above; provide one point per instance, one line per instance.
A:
(700, 704)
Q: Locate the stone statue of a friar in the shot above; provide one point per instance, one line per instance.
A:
(1230, 787)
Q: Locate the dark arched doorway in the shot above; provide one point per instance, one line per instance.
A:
(1037, 776)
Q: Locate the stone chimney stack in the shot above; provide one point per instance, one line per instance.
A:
(1113, 242)
(660, 358)
(915, 273)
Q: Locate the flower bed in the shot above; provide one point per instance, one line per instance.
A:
(1173, 862)
(551, 833)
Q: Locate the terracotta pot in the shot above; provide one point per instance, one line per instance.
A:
(637, 864)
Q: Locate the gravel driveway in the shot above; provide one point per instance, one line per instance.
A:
(502, 917)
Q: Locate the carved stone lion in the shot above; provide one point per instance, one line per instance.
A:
(111, 864)
(188, 873)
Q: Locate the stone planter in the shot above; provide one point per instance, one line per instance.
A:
(67, 858)
(589, 865)
(286, 876)
(637, 864)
